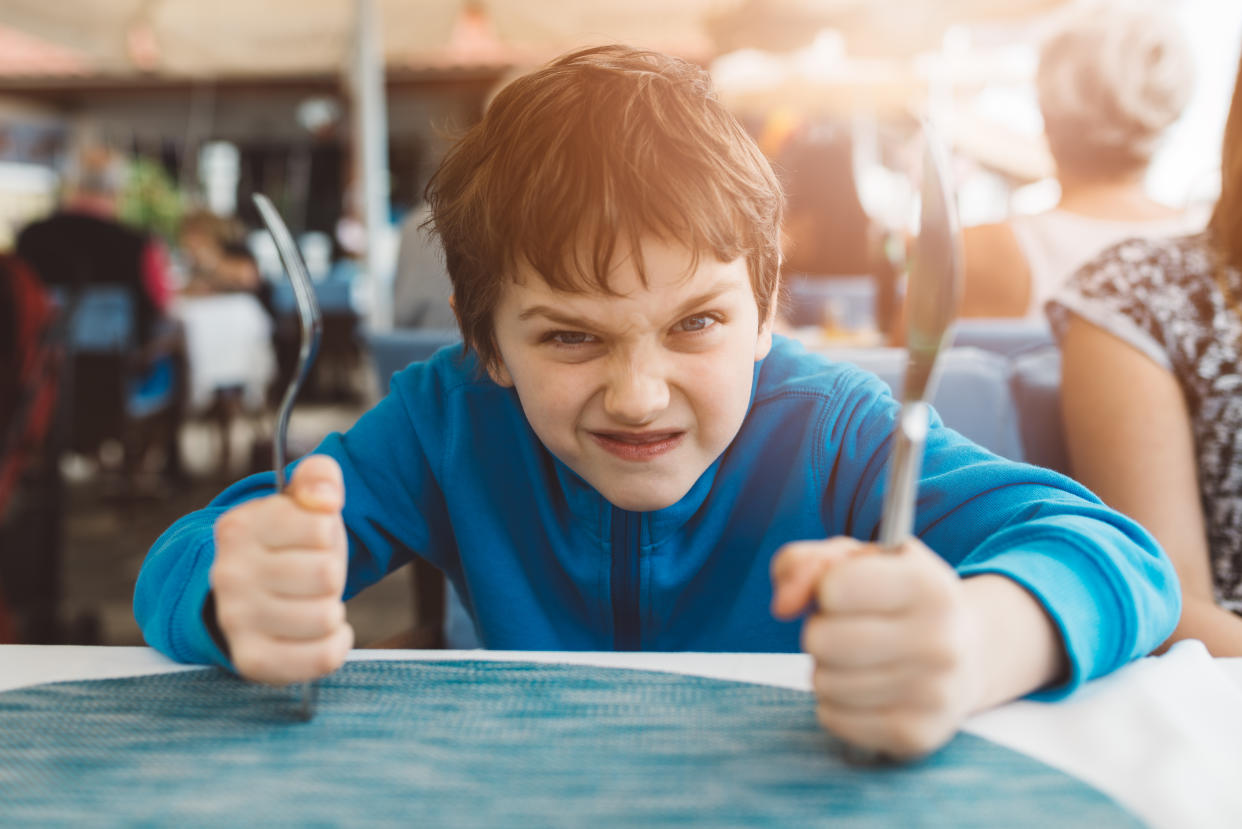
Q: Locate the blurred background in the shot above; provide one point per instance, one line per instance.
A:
(159, 329)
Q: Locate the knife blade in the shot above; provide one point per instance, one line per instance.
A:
(932, 296)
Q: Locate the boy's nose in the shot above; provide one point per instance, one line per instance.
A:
(636, 394)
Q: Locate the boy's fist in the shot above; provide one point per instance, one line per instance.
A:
(279, 577)
(893, 639)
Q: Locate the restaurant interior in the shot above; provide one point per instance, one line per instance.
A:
(176, 118)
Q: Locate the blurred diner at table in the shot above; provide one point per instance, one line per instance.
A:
(226, 307)
(1111, 78)
(832, 252)
(113, 281)
(216, 258)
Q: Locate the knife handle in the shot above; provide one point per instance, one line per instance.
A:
(897, 520)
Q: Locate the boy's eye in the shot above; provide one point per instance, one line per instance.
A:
(698, 322)
(569, 337)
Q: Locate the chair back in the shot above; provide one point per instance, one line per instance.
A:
(1005, 336)
(847, 302)
(102, 319)
(106, 388)
(336, 294)
(393, 350)
(1035, 381)
(971, 392)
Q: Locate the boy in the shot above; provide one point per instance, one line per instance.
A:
(623, 449)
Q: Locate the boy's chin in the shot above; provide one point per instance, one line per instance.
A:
(647, 499)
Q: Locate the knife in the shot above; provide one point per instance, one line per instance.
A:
(932, 295)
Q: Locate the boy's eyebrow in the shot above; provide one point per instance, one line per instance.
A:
(563, 318)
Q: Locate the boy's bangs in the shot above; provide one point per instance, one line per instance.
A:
(604, 183)
(581, 242)
(590, 241)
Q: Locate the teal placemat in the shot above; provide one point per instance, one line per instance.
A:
(495, 744)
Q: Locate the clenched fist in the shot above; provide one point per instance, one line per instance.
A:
(279, 577)
(893, 637)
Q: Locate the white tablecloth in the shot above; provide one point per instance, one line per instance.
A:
(228, 343)
(1162, 736)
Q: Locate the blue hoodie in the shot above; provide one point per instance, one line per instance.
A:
(447, 467)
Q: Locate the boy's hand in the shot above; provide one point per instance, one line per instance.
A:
(894, 639)
(279, 576)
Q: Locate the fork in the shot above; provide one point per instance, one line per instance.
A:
(312, 331)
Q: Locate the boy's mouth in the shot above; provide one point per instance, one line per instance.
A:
(638, 446)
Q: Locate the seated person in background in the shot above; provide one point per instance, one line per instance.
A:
(1151, 338)
(622, 455)
(216, 256)
(200, 245)
(237, 269)
(825, 230)
(218, 260)
(1110, 80)
(29, 507)
(83, 243)
(238, 272)
(28, 372)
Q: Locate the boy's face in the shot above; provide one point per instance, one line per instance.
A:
(637, 393)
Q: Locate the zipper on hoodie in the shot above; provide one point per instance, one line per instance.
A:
(627, 633)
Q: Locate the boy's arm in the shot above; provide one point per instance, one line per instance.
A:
(390, 492)
(1018, 645)
(1017, 580)
(1099, 577)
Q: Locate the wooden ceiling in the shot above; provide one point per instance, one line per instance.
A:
(223, 38)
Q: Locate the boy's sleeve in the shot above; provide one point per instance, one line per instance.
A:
(390, 490)
(1103, 580)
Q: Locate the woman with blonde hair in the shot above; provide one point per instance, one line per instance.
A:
(1151, 334)
(1112, 77)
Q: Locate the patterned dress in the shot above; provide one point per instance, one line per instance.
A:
(1173, 301)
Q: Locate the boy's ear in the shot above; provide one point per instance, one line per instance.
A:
(495, 368)
(764, 344)
(499, 374)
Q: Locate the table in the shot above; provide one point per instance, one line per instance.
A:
(1163, 736)
(228, 345)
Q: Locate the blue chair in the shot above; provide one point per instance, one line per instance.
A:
(1006, 336)
(334, 372)
(393, 350)
(850, 301)
(972, 392)
(441, 617)
(101, 321)
(115, 390)
(334, 294)
(1035, 380)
